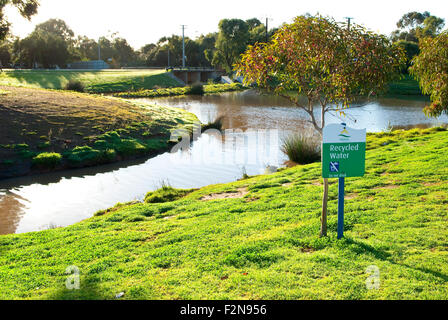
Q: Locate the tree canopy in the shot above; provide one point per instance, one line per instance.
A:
(415, 25)
(233, 37)
(27, 8)
(430, 67)
(321, 60)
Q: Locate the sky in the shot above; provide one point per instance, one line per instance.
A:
(146, 21)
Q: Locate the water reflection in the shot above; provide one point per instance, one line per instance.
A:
(250, 110)
(65, 200)
(60, 199)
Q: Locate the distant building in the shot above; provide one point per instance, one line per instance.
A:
(94, 64)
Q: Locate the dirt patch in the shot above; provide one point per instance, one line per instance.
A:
(307, 250)
(316, 183)
(240, 193)
(351, 196)
(29, 113)
(34, 121)
(290, 164)
(287, 185)
(431, 184)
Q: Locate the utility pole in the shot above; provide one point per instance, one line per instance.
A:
(267, 30)
(183, 46)
(349, 20)
(99, 49)
(169, 63)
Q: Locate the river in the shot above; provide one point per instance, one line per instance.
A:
(254, 127)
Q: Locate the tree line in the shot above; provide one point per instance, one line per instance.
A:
(53, 44)
(413, 28)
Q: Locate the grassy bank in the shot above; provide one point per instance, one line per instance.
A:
(44, 130)
(406, 88)
(258, 238)
(167, 92)
(103, 81)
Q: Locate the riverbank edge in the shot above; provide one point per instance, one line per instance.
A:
(208, 89)
(87, 156)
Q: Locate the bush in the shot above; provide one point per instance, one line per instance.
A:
(47, 160)
(166, 194)
(81, 155)
(301, 149)
(196, 89)
(75, 85)
(217, 124)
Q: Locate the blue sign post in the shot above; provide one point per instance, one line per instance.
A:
(341, 208)
(343, 156)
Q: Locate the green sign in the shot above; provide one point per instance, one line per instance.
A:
(343, 152)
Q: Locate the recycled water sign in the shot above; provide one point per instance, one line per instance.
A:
(343, 152)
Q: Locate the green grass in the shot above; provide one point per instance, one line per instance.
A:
(264, 245)
(166, 194)
(47, 160)
(167, 92)
(104, 81)
(406, 88)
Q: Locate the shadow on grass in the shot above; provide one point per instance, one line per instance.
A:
(89, 290)
(44, 78)
(362, 248)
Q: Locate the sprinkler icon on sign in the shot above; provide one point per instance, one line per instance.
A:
(334, 166)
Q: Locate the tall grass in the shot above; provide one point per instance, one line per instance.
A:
(301, 148)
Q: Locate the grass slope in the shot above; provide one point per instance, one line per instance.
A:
(406, 88)
(167, 92)
(43, 130)
(264, 245)
(103, 81)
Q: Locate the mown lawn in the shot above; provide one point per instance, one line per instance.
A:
(261, 244)
(103, 81)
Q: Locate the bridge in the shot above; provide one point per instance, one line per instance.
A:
(192, 75)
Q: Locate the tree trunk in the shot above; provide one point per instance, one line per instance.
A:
(323, 229)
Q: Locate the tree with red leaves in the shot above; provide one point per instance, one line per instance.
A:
(315, 60)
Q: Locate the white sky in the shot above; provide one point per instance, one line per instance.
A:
(145, 21)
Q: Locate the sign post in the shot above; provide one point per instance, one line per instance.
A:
(343, 156)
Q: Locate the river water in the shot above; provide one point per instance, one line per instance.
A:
(254, 127)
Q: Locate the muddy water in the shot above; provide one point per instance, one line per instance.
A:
(60, 199)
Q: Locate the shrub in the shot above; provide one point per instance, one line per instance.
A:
(75, 85)
(84, 154)
(217, 124)
(128, 147)
(47, 160)
(166, 194)
(301, 149)
(196, 89)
